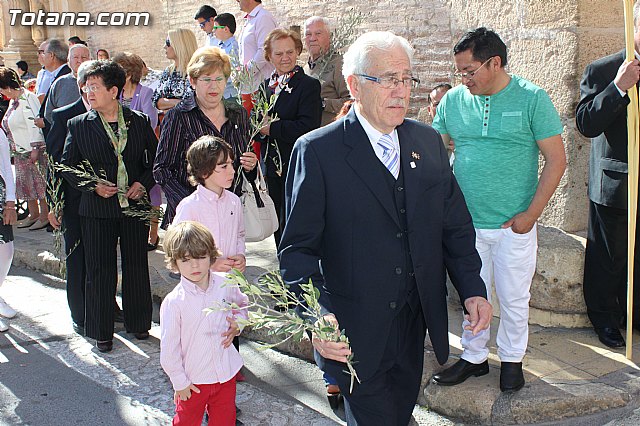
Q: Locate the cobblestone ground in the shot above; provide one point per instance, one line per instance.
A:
(132, 369)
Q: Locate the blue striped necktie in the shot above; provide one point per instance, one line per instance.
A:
(390, 157)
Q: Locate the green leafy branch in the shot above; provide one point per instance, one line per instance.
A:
(89, 178)
(274, 307)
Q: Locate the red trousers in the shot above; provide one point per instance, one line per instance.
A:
(218, 399)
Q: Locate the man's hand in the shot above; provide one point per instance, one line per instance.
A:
(232, 331)
(480, 313)
(54, 220)
(39, 122)
(239, 262)
(628, 75)
(521, 223)
(184, 394)
(337, 351)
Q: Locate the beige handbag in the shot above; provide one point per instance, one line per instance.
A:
(260, 219)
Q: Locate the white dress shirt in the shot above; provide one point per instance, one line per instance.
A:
(374, 135)
(257, 24)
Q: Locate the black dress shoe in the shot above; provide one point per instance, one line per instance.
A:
(459, 372)
(141, 336)
(78, 328)
(152, 247)
(104, 345)
(511, 376)
(610, 336)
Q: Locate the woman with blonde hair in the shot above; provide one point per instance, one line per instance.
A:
(174, 84)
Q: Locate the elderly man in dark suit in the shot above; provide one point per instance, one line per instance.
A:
(74, 248)
(602, 115)
(374, 216)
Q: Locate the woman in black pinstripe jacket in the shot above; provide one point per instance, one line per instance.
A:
(121, 143)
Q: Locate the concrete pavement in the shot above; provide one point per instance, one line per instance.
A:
(571, 377)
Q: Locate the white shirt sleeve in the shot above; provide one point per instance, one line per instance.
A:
(5, 168)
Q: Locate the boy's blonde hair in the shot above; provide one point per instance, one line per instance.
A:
(188, 239)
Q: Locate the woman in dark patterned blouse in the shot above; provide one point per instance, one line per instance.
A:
(174, 84)
(202, 113)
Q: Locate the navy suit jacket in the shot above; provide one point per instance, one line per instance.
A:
(602, 116)
(343, 232)
(87, 140)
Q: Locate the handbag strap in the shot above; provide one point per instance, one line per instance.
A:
(256, 188)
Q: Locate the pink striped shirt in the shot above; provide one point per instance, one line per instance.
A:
(191, 349)
(221, 215)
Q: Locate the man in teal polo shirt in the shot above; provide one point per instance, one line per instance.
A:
(500, 123)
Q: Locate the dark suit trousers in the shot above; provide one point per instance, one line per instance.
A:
(276, 192)
(605, 267)
(100, 245)
(388, 398)
(74, 250)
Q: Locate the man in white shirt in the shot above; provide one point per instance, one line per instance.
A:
(258, 22)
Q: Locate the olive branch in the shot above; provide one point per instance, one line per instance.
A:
(285, 316)
(89, 178)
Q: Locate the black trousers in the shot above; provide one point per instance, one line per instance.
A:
(276, 192)
(74, 250)
(605, 267)
(100, 244)
(388, 398)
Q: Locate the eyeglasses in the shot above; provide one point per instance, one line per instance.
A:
(167, 43)
(208, 80)
(203, 23)
(469, 74)
(392, 82)
(88, 89)
(218, 27)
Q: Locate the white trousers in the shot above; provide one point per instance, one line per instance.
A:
(509, 261)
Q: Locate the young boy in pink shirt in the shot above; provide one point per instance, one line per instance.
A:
(210, 167)
(195, 347)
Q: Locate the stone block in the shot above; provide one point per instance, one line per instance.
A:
(600, 14)
(557, 284)
(549, 14)
(596, 43)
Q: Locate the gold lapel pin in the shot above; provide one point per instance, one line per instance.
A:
(415, 155)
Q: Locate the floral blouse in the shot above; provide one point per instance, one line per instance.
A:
(172, 86)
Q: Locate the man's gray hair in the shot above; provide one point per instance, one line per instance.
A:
(318, 19)
(59, 48)
(82, 70)
(357, 58)
(77, 46)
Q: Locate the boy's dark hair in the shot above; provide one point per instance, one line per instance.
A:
(22, 66)
(9, 79)
(226, 20)
(483, 44)
(205, 12)
(111, 74)
(188, 239)
(204, 155)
